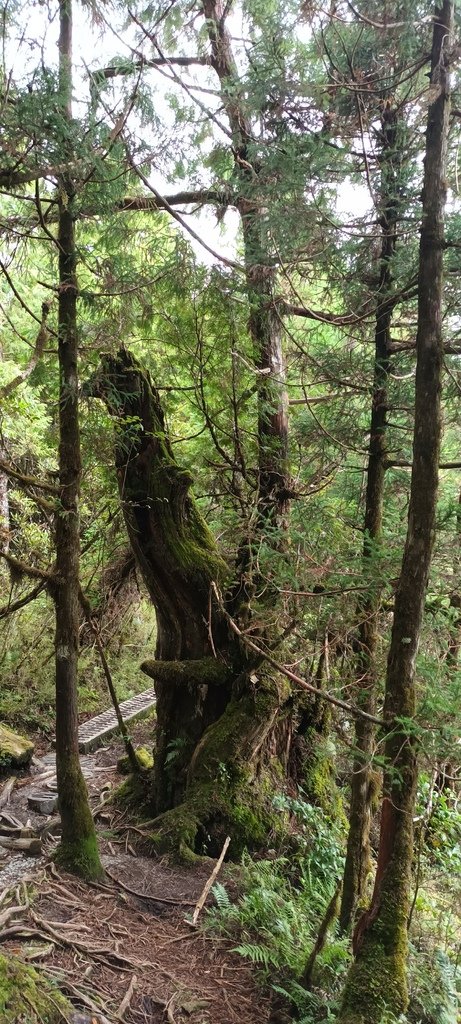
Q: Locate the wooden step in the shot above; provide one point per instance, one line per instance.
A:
(92, 733)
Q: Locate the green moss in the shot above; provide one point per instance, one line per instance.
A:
(78, 851)
(199, 672)
(230, 787)
(175, 833)
(377, 981)
(133, 792)
(376, 984)
(26, 997)
(319, 780)
(143, 757)
(15, 750)
(232, 804)
(80, 857)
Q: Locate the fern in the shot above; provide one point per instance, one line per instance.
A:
(222, 897)
(257, 954)
(434, 997)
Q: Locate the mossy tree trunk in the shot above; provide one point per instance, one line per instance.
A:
(377, 979)
(179, 561)
(26, 995)
(358, 859)
(78, 850)
(214, 724)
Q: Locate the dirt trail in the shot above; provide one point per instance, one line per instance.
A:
(120, 955)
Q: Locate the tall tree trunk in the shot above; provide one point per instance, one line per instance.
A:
(264, 323)
(78, 850)
(377, 979)
(358, 861)
(4, 508)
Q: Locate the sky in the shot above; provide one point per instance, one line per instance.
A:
(95, 45)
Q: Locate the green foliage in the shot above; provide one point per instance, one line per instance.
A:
(276, 918)
(433, 989)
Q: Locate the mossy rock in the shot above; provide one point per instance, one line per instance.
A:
(15, 750)
(27, 997)
(143, 757)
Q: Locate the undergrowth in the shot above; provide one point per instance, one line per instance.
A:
(275, 921)
(27, 697)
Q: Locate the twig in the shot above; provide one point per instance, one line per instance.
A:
(202, 899)
(127, 998)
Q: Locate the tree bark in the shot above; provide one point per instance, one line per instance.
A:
(377, 979)
(78, 849)
(178, 559)
(4, 509)
(218, 721)
(358, 859)
(265, 324)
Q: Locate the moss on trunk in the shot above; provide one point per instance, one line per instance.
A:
(233, 774)
(78, 850)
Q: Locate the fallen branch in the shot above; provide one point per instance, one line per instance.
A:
(31, 846)
(202, 899)
(127, 998)
(7, 791)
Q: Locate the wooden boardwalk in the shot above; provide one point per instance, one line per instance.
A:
(92, 733)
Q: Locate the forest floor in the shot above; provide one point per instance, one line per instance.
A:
(123, 951)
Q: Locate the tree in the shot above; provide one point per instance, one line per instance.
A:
(378, 977)
(78, 848)
(384, 107)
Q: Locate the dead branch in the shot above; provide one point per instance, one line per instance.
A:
(214, 874)
(7, 791)
(127, 998)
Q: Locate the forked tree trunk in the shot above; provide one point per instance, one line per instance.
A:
(377, 980)
(78, 851)
(358, 859)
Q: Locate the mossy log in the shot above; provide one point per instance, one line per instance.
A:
(15, 750)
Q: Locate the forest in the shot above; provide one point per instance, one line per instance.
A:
(230, 488)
